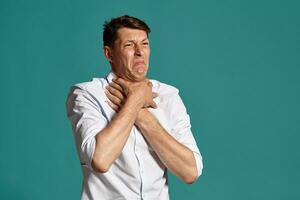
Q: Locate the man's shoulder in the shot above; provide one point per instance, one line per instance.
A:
(164, 88)
(94, 84)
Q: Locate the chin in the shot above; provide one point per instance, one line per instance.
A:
(138, 78)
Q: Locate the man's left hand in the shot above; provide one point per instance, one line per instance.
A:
(116, 96)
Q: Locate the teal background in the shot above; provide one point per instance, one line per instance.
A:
(236, 64)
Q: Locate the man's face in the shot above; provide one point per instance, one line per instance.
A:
(129, 55)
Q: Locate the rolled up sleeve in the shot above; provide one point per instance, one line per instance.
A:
(85, 115)
(181, 128)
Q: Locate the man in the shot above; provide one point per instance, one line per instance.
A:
(128, 129)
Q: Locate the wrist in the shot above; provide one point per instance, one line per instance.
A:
(134, 101)
(142, 116)
(131, 106)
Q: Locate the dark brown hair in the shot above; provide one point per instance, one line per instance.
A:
(111, 27)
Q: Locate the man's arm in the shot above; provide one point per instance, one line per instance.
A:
(176, 157)
(111, 140)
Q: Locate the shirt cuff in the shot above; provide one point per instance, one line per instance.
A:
(199, 163)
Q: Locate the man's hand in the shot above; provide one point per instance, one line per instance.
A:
(119, 91)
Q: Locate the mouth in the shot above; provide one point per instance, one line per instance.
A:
(140, 62)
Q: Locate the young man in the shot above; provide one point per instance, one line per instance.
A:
(130, 130)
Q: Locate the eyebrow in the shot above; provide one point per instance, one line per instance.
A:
(134, 41)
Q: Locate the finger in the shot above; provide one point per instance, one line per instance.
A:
(121, 82)
(113, 106)
(113, 98)
(115, 92)
(116, 86)
(154, 95)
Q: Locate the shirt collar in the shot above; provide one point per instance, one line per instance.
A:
(110, 77)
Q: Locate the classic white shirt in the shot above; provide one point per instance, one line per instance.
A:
(137, 173)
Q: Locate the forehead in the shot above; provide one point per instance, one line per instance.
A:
(124, 34)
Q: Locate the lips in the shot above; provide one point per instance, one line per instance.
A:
(140, 62)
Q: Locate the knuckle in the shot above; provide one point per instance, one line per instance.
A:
(112, 90)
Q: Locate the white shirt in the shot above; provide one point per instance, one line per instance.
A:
(137, 173)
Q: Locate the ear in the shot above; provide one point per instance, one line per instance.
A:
(108, 53)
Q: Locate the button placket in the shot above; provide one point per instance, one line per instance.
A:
(138, 157)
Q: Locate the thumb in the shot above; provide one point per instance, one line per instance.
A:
(153, 104)
(154, 95)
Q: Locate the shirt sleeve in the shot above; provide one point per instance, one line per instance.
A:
(84, 113)
(181, 128)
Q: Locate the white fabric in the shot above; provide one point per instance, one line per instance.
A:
(138, 173)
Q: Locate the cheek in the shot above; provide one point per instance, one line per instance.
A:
(126, 53)
(129, 56)
(122, 59)
(148, 55)
(147, 52)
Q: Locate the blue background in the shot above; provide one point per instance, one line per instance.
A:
(236, 64)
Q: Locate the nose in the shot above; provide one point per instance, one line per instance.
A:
(138, 50)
